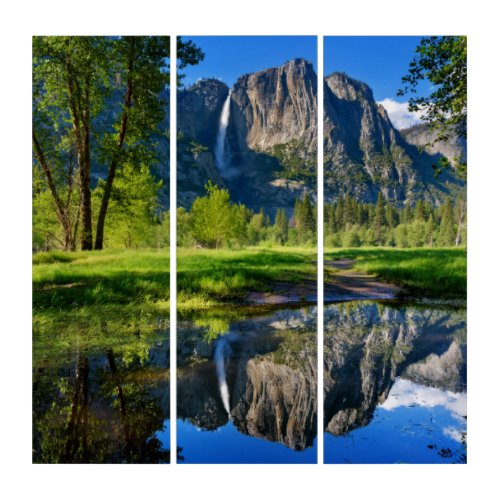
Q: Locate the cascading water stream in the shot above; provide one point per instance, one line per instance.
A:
(221, 347)
(220, 145)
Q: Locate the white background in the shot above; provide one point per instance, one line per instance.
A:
(20, 21)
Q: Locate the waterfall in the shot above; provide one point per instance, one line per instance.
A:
(220, 348)
(220, 145)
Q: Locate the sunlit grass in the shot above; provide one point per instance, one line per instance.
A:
(100, 278)
(432, 272)
(205, 278)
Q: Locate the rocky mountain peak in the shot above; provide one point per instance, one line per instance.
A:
(275, 106)
(347, 88)
(364, 153)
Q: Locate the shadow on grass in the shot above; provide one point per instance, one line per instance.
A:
(79, 289)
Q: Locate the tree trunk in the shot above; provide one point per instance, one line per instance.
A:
(80, 115)
(86, 194)
(121, 401)
(99, 238)
(61, 210)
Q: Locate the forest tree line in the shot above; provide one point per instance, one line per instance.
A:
(214, 221)
(349, 223)
(136, 220)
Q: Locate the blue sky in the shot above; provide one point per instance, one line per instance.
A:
(229, 57)
(379, 61)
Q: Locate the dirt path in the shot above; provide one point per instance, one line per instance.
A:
(348, 284)
(344, 284)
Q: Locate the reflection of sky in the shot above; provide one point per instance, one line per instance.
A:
(407, 393)
(164, 435)
(412, 426)
(227, 445)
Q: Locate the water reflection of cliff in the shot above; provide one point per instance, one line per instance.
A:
(369, 345)
(270, 371)
(101, 407)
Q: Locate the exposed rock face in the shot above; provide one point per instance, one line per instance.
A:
(276, 106)
(273, 125)
(198, 399)
(446, 371)
(367, 346)
(198, 110)
(364, 154)
(421, 135)
(277, 402)
(268, 108)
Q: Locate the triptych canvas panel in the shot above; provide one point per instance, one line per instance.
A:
(260, 373)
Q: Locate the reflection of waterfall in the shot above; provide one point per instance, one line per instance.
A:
(220, 145)
(221, 347)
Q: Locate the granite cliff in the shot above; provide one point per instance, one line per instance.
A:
(271, 142)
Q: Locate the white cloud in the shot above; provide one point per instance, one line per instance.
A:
(407, 393)
(453, 433)
(399, 114)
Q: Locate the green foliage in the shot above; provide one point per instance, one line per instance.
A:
(351, 224)
(188, 54)
(214, 219)
(281, 227)
(111, 88)
(305, 220)
(379, 220)
(297, 163)
(215, 222)
(133, 219)
(213, 326)
(206, 278)
(111, 277)
(442, 61)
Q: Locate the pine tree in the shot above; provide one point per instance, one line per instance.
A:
(379, 221)
(348, 211)
(298, 216)
(281, 227)
(309, 229)
(389, 216)
(407, 215)
(361, 214)
(420, 210)
(339, 215)
(447, 226)
(429, 230)
(329, 220)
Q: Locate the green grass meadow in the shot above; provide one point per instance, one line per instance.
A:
(120, 283)
(428, 272)
(133, 278)
(208, 277)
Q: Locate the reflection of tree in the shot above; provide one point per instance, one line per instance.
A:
(101, 411)
(213, 326)
(76, 433)
(140, 416)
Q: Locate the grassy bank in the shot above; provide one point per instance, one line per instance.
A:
(121, 281)
(105, 279)
(429, 272)
(206, 278)
(136, 282)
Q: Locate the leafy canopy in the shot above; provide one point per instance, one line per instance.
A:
(442, 61)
